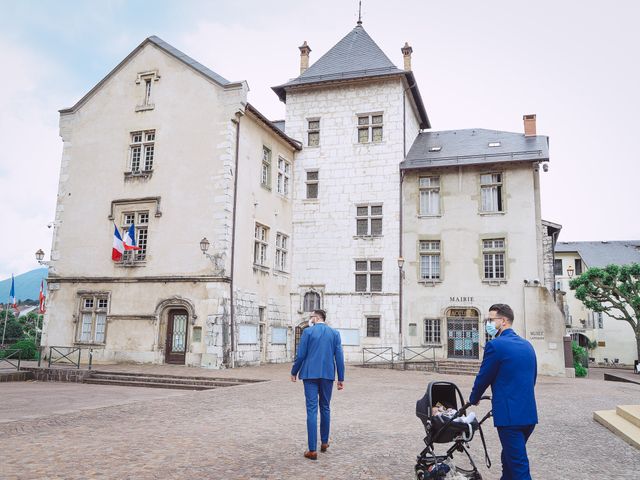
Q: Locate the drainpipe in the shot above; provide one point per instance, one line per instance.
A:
(231, 360)
(400, 269)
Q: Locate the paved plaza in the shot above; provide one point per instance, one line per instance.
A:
(257, 431)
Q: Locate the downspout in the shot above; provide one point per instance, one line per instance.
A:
(233, 244)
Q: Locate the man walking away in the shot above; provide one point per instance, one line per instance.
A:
(509, 366)
(319, 356)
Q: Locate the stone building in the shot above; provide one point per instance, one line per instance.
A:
(344, 205)
(614, 339)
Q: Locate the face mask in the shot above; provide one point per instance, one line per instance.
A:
(491, 329)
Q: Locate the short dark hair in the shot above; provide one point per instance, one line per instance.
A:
(321, 313)
(503, 310)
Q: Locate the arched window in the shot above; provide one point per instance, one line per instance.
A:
(311, 301)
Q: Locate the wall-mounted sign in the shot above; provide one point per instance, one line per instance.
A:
(536, 335)
(461, 299)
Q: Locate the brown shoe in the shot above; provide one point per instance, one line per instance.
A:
(324, 447)
(311, 455)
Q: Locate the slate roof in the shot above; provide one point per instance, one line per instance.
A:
(356, 56)
(601, 254)
(471, 147)
(274, 128)
(279, 124)
(174, 52)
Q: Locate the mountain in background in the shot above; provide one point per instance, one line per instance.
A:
(27, 285)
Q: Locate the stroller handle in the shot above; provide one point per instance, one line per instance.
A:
(469, 404)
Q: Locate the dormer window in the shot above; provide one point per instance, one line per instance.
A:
(435, 149)
(146, 81)
(494, 144)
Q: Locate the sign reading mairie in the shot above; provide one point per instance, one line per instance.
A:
(461, 299)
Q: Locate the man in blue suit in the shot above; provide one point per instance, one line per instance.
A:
(319, 356)
(509, 366)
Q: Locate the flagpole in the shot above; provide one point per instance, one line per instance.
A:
(6, 312)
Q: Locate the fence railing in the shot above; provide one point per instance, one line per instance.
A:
(377, 355)
(420, 354)
(13, 358)
(65, 355)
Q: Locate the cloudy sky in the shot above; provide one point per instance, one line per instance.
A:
(478, 63)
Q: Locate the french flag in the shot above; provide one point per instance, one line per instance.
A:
(129, 239)
(12, 295)
(118, 246)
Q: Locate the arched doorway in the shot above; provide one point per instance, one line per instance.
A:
(463, 333)
(176, 343)
(298, 334)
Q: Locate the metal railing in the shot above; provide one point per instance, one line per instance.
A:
(420, 354)
(379, 355)
(13, 358)
(65, 356)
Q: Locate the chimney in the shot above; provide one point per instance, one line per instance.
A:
(529, 125)
(406, 52)
(304, 57)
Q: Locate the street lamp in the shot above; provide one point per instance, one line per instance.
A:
(40, 256)
(570, 271)
(204, 245)
(400, 266)
(216, 259)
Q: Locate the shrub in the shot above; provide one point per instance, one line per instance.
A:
(28, 347)
(579, 356)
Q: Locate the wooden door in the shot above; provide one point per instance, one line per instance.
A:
(176, 346)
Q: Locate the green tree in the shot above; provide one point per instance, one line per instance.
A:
(614, 290)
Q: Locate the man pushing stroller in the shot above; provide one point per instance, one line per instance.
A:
(509, 366)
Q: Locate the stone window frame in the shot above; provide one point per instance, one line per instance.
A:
(368, 272)
(489, 185)
(427, 188)
(142, 145)
(557, 267)
(96, 304)
(432, 331)
(310, 182)
(372, 326)
(283, 185)
(261, 246)
(140, 218)
(265, 169)
(315, 293)
(146, 79)
(425, 250)
(494, 250)
(282, 252)
(367, 218)
(371, 126)
(313, 131)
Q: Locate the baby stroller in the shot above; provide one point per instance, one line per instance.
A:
(444, 429)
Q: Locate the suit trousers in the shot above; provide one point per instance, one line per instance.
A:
(318, 389)
(515, 463)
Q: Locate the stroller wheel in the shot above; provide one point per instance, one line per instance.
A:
(419, 474)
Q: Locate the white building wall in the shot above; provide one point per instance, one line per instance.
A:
(350, 173)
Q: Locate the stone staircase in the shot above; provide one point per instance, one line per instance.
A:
(624, 421)
(150, 380)
(459, 367)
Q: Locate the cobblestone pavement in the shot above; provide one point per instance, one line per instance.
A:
(257, 431)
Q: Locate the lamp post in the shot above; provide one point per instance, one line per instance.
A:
(570, 271)
(400, 281)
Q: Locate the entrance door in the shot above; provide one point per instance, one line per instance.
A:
(263, 343)
(462, 333)
(176, 346)
(299, 330)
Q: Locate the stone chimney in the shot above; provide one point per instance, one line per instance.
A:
(406, 53)
(305, 50)
(529, 125)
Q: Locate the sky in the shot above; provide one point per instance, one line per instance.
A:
(478, 65)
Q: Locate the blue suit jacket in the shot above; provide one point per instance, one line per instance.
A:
(319, 354)
(509, 366)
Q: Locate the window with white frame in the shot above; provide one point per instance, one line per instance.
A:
(284, 175)
(493, 252)
(93, 318)
(429, 260)
(368, 275)
(140, 220)
(260, 245)
(313, 132)
(429, 195)
(369, 220)
(142, 151)
(311, 301)
(373, 326)
(312, 184)
(265, 175)
(431, 330)
(370, 128)
(282, 251)
(491, 192)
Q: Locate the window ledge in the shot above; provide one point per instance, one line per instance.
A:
(434, 345)
(266, 187)
(143, 108)
(368, 293)
(312, 146)
(367, 237)
(130, 264)
(280, 272)
(429, 283)
(88, 344)
(369, 144)
(141, 174)
(260, 268)
(310, 200)
(435, 215)
(283, 196)
(489, 214)
(494, 282)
